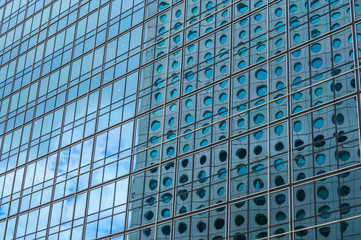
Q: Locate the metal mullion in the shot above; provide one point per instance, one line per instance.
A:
(90, 171)
(339, 204)
(175, 175)
(76, 194)
(211, 165)
(289, 122)
(268, 110)
(163, 122)
(51, 202)
(229, 128)
(37, 224)
(113, 205)
(356, 64)
(100, 203)
(248, 17)
(177, 160)
(310, 74)
(213, 107)
(333, 107)
(191, 184)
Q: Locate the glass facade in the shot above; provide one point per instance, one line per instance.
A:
(180, 119)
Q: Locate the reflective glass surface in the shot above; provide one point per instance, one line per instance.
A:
(180, 119)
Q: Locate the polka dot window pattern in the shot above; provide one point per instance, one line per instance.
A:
(270, 94)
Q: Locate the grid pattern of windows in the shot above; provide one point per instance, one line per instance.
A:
(180, 119)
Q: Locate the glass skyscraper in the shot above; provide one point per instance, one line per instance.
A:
(180, 119)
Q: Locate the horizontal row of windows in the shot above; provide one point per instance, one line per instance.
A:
(322, 141)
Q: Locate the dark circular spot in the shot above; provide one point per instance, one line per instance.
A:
(153, 184)
(299, 143)
(280, 198)
(337, 87)
(341, 138)
(280, 216)
(279, 181)
(167, 181)
(325, 231)
(301, 233)
(258, 184)
(279, 146)
(183, 179)
(257, 150)
(221, 208)
(279, 231)
(324, 211)
(261, 219)
(353, 83)
(239, 204)
(262, 235)
(182, 227)
(151, 201)
(203, 159)
(217, 238)
(201, 226)
(343, 155)
(184, 163)
(239, 220)
(239, 236)
(300, 195)
(260, 201)
(301, 176)
(300, 214)
(149, 215)
(339, 119)
(319, 141)
(147, 231)
(219, 223)
(345, 208)
(300, 161)
(344, 226)
(165, 213)
(201, 192)
(166, 230)
(344, 191)
(166, 197)
(182, 210)
(223, 156)
(322, 192)
(202, 176)
(183, 194)
(241, 153)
